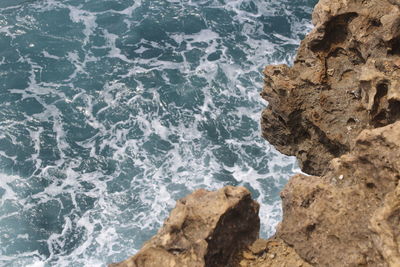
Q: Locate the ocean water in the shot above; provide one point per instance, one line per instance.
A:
(111, 110)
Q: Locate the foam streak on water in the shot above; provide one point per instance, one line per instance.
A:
(110, 111)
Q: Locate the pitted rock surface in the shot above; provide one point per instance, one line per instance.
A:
(337, 109)
(351, 215)
(346, 78)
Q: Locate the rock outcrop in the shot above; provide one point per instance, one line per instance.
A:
(345, 78)
(214, 229)
(205, 229)
(337, 109)
(351, 215)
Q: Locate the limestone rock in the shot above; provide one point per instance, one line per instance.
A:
(351, 215)
(346, 78)
(338, 111)
(205, 229)
(270, 253)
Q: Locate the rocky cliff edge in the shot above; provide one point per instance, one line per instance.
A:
(337, 109)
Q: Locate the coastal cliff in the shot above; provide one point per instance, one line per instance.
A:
(205, 229)
(345, 79)
(337, 109)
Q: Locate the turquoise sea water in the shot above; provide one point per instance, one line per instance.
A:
(111, 110)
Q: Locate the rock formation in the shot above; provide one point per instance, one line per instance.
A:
(205, 229)
(270, 253)
(345, 79)
(337, 109)
(351, 215)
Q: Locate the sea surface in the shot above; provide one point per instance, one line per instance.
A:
(111, 110)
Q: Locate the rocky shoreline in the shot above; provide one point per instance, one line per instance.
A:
(337, 109)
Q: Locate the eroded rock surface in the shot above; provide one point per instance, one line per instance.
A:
(205, 229)
(270, 253)
(345, 79)
(351, 215)
(338, 110)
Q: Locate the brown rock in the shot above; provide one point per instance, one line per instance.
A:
(351, 215)
(346, 78)
(205, 229)
(338, 110)
(270, 253)
(259, 247)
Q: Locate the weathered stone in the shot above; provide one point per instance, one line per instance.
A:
(352, 221)
(259, 247)
(346, 78)
(270, 253)
(338, 110)
(205, 229)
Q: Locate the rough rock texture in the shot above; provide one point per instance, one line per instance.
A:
(345, 78)
(351, 215)
(338, 110)
(205, 229)
(270, 253)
